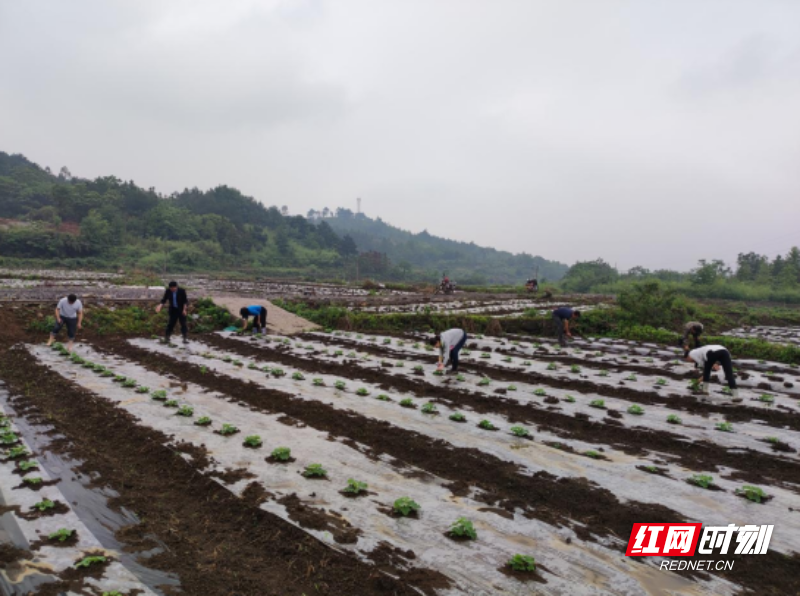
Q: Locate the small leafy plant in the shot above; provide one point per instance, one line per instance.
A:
(429, 408)
(725, 427)
(187, 411)
(540, 392)
(277, 372)
(34, 481)
(61, 535)
(651, 469)
(630, 377)
(44, 505)
(281, 454)
(87, 562)
(203, 421)
(171, 403)
(129, 383)
(28, 465)
(457, 417)
(407, 402)
(552, 366)
(511, 388)
(603, 373)
(484, 381)
(520, 431)
(485, 355)
(142, 389)
(460, 378)
(575, 369)
(354, 487)
(636, 410)
(661, 382)
(228, 429)
(522, 563)
(315, 471)
(318, 382)
(298, 376)
(592, 453)
(674, 419)
(253, 441)
(767, 399)
(383, 397)
(203, 370)
(598, 403)
(702, 480)
(16, 452)
(160, 395)
(340, 385)
(405, 506)
(463, 528)
(751, 493)
(486, 425)
(570, 399)
(418, 368)
(362, 392)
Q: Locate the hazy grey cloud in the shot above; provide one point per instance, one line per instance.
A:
(652, 133)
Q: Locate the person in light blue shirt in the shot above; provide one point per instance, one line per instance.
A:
(259, 314)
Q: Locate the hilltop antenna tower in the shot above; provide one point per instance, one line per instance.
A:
(358, 200)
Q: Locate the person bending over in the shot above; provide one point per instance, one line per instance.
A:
(259, 314)
(561, 318)
(692, 329)
(712, 358)
(69, 313)
(449, 344)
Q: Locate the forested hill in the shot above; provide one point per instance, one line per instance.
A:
(463, 261)
(106, 222)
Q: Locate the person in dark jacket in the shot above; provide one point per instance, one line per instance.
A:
(178, 303)
(561, 318)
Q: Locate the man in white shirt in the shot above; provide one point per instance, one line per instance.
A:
(449, 344)
(69, 312)
(711, 358)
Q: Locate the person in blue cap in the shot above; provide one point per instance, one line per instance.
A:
(259, 314)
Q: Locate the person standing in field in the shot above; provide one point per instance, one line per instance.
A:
(178, 307)
(69, 313)
(561, 318)
(711, 358)
(692, 329)
(449, 344)
(259, 314)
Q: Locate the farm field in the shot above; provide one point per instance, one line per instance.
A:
(338, 462)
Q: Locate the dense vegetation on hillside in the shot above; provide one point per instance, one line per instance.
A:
(430, 256)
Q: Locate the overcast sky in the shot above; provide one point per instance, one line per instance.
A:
(645, 132)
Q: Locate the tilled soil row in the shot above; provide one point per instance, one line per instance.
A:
(732, 412)
(216, 543)
(558, 501)
(752, 466)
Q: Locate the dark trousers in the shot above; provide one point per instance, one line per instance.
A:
(723, 358)
(175, 315)
(71, 325)
(558, 322)
(260, 321)
(454, 352)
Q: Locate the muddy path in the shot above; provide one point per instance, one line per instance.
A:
(732, 412)
(208, 532)
(752, 466)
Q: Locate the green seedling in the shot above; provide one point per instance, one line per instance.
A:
(203, 421)
(362, 392)
(318, 382)
(228, 429)
(463, 528)
(604, 373)
(438, 373)
(651, 469)
(161, 395)
(485, 355)
(387, 341)
(315, 471)
(107, 373)
(575, 369)
(405, 506)
(751, 493)
(429, 408)
(88, 364)
(661, 382)
(76, 359)
(277, 372)
(58, 346)
(520, 431)
(253, 441)
(460, 378)
(227, 359)
(407, 402)
(129, 383)
(767, 399)
(630, 377)
(282, 453)
(340, 385)
(399, 364)
(186, 411)
(351, 354)
(383, 397)
(44, 505)
(522, 563)
(507, 359)
(727, 391)
(465, 352)
(16, 452)
(552, 366)
(526, 363)
(87, 562)
(171, 403)
(99, 368)
(511, 388)
(61, 535)
(636, 410)
(484, 381)
(486, 425)
(298, 376)
(702, 480)
(113, 593)
(694, 385)
(8, 438)
(726, 427)
(142, 389)
(338, 353)
(457, 417)
(203, 370)
(28, 465)
(598, 403)
(570, 399)
(252, 366)
(591, 453)
(35, 481)
(418, 368)
(540, 392)
(354, 487)
(674, 419)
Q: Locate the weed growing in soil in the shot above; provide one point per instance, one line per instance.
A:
(767, 399)
(520, 431)
(674, 419)
(457, 417)
(383, 397)
(522, 563)
(61, 535)
(16, 452)
(44, 505)
(362, 392)
(484, 381)
(161, 395)
(354, 487)
(636, 410)
(186, 411)
(463, 528)
(405, 506)
(315, 471)
(429, 408)
(570, 399)
(129, 383)
(28, 465)
(203, 421)
(253, 441)
(702, 480)
(751, 493)
(281, 453)
(407, 402)
(36, 481)
(486, 425)
(87, 562)
(591, 453)
(340, 385)
(540, 392)
(598, 403)
(228, 429)
(726, 427)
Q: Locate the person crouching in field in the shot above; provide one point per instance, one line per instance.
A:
(69, 313)
(178, 307)
(692, 329)
(259, 314)
(711, 358)
(449, 344)
(561, 318)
